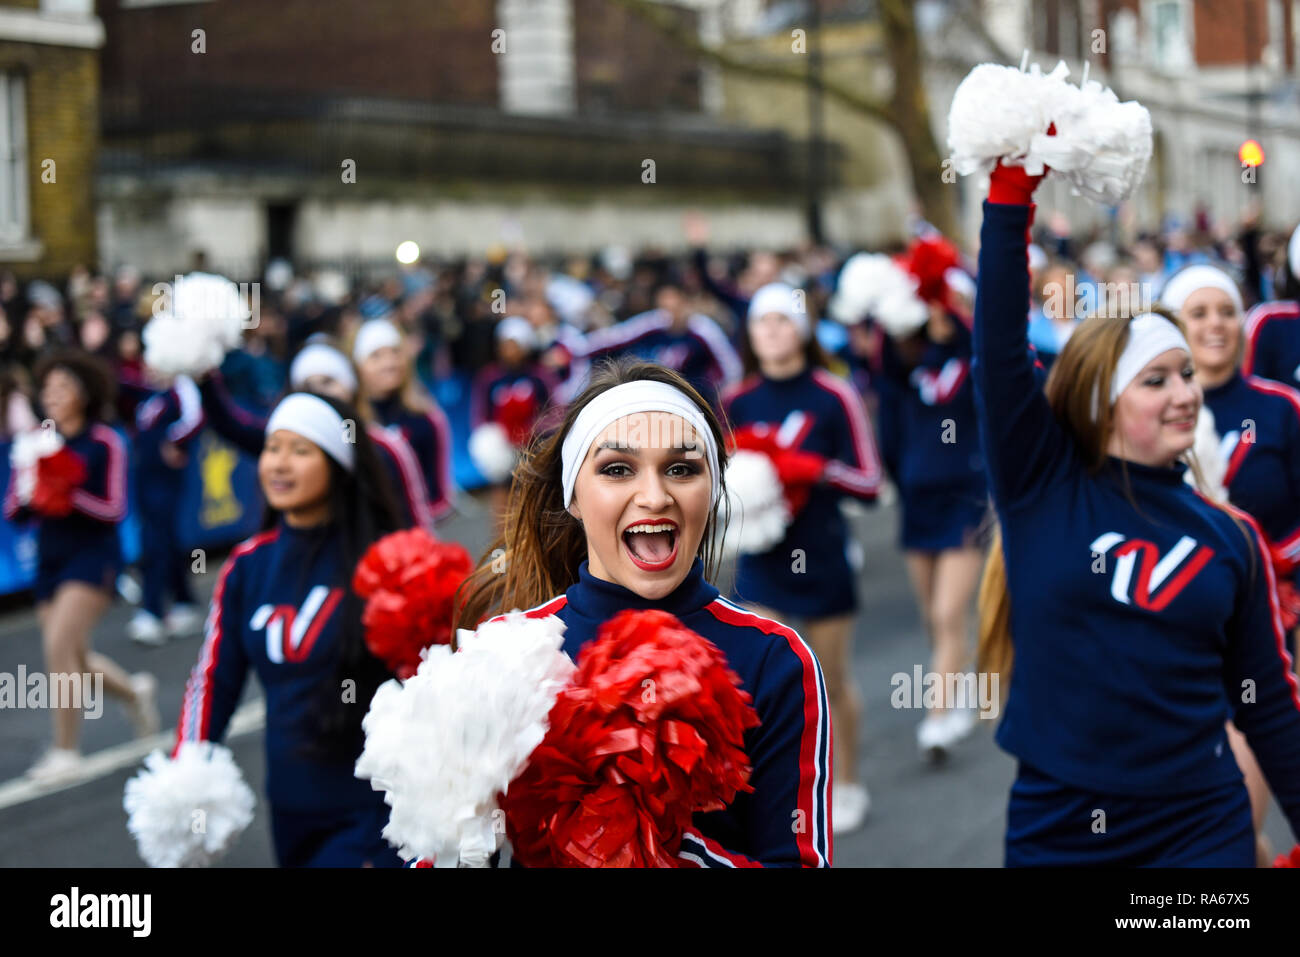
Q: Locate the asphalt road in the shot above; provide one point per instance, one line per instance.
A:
(949, 816)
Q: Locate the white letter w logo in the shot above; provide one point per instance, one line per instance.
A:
(1172, 571)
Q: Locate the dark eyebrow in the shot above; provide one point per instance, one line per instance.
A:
(618, 447)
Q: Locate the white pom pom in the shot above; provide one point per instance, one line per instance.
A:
(202, 299)
(445, 743)
(1208, 449)
(757, 515)
(27, 449)
(492, 453)
(872, 283)
(1101, 146)
(187, 811)
(205, 321)
(173, 346)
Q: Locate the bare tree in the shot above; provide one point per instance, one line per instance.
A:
(906, 111)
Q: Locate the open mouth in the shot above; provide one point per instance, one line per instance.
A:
(651, 544)
(278, 487)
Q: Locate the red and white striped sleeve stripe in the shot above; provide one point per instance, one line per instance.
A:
(1256, 319)
(621, 335)
(814, 841)
(112, 506)
(413, 487)
(1270, 387)
(861, 477)
(196, 706)
(1274, 608)
(191, 407)
(705, 852)
(442, 463)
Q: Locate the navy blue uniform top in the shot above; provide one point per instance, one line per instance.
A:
(1273, 342)
(1259, 422)
(98, 505)
(1138, 631)
(276, 611)
(816, 412)
(785, 820)
(928, 434)
(247, 432)
(429, 436)
(700, 352)
(172, 415)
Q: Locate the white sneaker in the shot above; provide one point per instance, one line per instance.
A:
(143, 709)
(183, 621)
(129, 589)
(849, 806)
(56, 766)
(146, 628)
(933, 738)
(961, 722)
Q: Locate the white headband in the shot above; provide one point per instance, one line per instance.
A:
(1293, 253)
(1149, 335)
(320, 359)
(373, 336)
(1187, 281)
(314, 419)
(517, 329)
(780, 297)
(644, 395)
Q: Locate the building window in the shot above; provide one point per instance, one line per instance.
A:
(14, 221)
(1169, 25)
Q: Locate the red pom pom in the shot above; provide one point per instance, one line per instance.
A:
(798, 471)
(929, 259)
(650, 730)
(516, 415)
(1288, 860)
(409, 580)
(57, 477)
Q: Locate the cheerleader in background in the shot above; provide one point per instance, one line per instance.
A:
(808, 575)
(1272, 349)
(167, 422)
(1257, 425)
(319, 367)
(284, 607)
(401, 406)
(672, 336)
(1140, 609)
(512, 392)
(601, 521)
(930, 442)
(78, 556)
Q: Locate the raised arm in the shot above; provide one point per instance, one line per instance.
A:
(242, 429)
(1024, 446)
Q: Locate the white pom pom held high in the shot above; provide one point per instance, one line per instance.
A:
(1101, 146)
(188, 811)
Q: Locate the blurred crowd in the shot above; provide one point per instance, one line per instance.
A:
(449, 309)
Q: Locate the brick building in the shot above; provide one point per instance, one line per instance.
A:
(329, 130)
(49, 128)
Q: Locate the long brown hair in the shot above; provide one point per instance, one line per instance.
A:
(542, 545)
(1082, 371)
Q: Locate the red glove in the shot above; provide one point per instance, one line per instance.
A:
(1012, 186)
